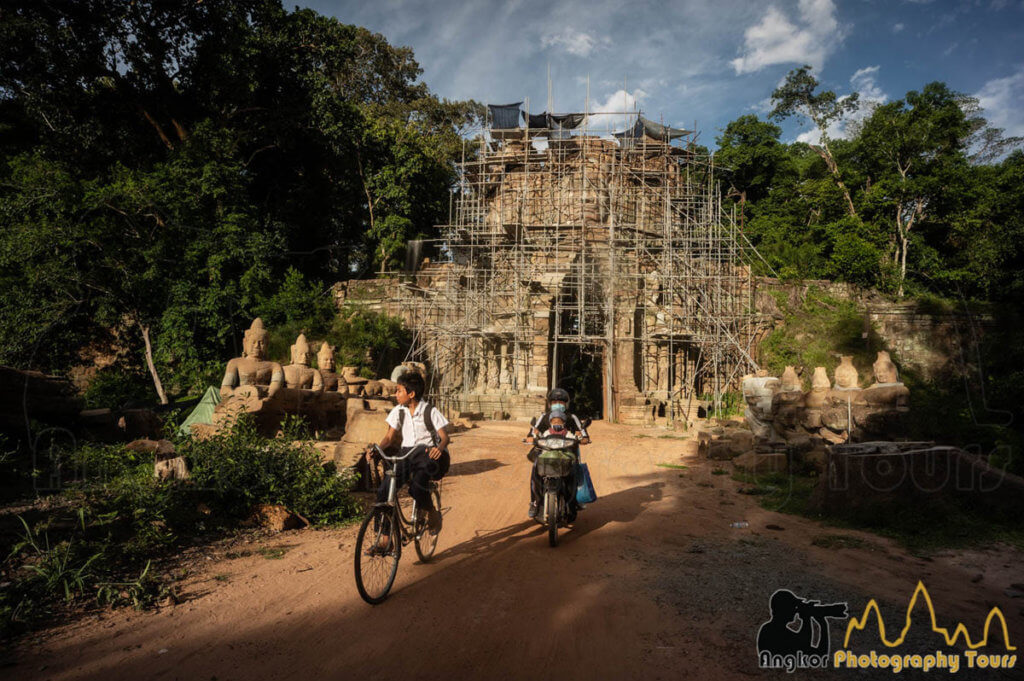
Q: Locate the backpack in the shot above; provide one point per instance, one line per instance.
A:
(427, 420)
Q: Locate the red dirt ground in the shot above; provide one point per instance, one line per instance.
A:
(651, 581)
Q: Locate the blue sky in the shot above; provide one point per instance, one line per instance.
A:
(708, 62)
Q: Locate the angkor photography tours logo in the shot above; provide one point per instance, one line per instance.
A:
(797, 635)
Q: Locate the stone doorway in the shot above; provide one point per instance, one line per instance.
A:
(581, 372)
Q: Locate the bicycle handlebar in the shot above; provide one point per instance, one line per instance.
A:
(395, 458)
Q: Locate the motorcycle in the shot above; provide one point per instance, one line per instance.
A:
(557, 456)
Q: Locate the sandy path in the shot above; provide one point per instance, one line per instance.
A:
(650, 582)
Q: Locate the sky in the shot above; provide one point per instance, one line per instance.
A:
(703, 63)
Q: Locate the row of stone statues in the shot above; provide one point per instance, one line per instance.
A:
(262, 387)
(779, 410)
(846, 375)
(254, 374)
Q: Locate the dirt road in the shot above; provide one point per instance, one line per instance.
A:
(651, 582)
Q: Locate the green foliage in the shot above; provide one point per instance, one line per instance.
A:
(373, 341)
(115, 388)
(122, 518)
(240, 469)
(56, 569)
(914, 200)
(731, 404)
(188, 166)
(798, 95)
(814, 332)
(140, 593)
(298, 306)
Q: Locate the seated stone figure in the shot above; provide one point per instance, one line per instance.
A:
(333, 381)
(252, 376)
(299, 375)
(330, 414)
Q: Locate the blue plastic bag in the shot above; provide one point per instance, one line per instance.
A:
(585, 493)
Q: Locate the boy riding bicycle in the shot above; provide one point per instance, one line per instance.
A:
(420, 427)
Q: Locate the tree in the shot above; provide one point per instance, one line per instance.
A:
(167, 164)
(914, 150)
(750, 155)
(797, 96)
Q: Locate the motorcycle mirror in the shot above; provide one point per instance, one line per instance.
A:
(587, 422)
(533, 421)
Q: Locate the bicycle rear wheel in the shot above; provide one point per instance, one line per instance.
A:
(426, 541)
(376, 569)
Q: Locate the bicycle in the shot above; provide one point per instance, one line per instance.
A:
(377, 565)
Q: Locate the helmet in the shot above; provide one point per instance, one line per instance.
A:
(558, 394)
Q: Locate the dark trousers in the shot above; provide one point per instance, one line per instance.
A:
(418, 470)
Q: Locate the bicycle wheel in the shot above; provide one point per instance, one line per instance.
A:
(551, 506)
(426, 541)
(375, 571)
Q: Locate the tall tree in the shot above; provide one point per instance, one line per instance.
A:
(914, 150)
(750, 155)
(798, 96)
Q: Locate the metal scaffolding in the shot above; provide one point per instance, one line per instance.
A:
(562, 240)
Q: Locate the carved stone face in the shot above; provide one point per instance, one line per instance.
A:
(325, 358)
(300, 351)
(255, 344)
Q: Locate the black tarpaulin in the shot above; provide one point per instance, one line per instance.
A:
(505, 116)
(566, 121)
(651, 129)
(538, 121)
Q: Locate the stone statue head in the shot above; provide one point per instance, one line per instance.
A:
(254, 342)
(325, 358)
(300, 351)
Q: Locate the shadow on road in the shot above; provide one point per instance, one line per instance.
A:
(474, 467)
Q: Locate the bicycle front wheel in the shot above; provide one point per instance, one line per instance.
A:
(426, 541)
(378, 550)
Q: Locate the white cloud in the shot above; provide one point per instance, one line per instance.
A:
(620, 102)
(1003, 102)
(870, 94)
(865, 82)
(778, 40)
(574, 42)
(896, 28)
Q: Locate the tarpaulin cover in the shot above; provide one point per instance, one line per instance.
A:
(566, 121)
(505, 116)
(538, 121)
(203, 413)
(651, 129)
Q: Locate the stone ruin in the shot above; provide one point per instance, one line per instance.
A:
(784, 421)
(344, 410)
(614, 252)
(780, 411)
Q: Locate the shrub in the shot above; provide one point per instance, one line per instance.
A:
(115, 388)
(122, 518)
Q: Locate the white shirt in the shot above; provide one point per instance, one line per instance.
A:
(414, 428)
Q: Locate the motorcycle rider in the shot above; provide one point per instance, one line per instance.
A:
(557, 404)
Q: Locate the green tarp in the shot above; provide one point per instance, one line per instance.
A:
(203, 413)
